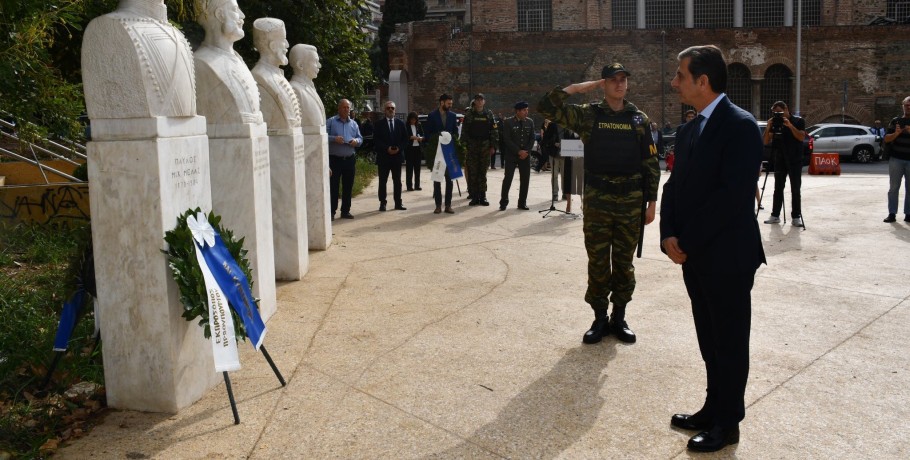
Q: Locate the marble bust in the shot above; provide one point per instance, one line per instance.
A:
(279, 104)
(305, 61)
(136, 65)
(227, 92)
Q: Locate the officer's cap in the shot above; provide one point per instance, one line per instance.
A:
(613, 69)
(478, 96)
(521, 105)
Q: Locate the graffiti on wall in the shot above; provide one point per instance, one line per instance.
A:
(64, 205)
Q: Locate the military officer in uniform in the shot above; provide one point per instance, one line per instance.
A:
(517, 140)
(479, 132)
(621, 178)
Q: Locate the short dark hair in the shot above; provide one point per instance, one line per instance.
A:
(707, 60)
(444, 97)
(780, 104)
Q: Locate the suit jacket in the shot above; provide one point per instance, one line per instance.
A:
(707, 203)
(435, 124)
(517, 135)
(383, 139)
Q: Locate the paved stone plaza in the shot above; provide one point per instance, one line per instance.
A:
(459, 336)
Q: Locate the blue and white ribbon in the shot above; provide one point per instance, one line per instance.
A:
(231, 279)
(446, 159)
(221, 324)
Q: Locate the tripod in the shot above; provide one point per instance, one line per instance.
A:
(552, 208)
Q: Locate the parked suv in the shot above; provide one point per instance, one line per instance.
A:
(853, 141)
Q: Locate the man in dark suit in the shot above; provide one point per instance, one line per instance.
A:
(438, 121)
(389, 141)
(707, 225)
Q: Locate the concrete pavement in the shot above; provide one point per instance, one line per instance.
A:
(459, 336)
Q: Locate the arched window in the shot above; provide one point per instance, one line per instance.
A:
(739, 85)
(775, 87)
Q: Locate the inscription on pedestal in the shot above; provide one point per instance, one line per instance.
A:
(261, 160)
(185, 171)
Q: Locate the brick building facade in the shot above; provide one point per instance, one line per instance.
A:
(849, 70)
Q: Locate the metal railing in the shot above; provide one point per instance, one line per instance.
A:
(75, 150)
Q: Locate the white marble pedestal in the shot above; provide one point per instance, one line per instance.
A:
(289, 221)
(242, 196)
(318, 210)
(154, 360)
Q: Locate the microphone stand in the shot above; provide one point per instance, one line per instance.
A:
(552, 208)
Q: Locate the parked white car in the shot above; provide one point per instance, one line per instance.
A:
(853, 141)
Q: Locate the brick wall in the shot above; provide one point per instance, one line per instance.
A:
(513, 66)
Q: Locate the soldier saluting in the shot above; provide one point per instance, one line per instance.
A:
(621, 173)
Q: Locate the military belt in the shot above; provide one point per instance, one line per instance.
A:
(614, 185)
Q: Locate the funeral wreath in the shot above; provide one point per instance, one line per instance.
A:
(181, 257)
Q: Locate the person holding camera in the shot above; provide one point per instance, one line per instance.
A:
(897, 141)
(785, 133)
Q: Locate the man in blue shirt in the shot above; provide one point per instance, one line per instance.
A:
(344, 138)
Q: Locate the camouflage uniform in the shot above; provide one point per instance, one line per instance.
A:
(479, 132)
(612, 199)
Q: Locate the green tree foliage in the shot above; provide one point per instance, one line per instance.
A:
(394, 12)
(34, 93)
(333, 27)
(41, 43)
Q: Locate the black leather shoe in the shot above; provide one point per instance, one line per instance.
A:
(483, 202)
(473, 203)
(889, 219)
(410, 189)
(599, 329)
(502, 207)
(399, 207)
(622, 332)
(417, 188)
(346, 215)
(714, 439)
(695, 422)
(382, 207)
(523, 207)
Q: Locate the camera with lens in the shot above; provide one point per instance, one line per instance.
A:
(777, 122)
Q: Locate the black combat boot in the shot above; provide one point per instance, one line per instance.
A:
(619, 327)
(599, 328)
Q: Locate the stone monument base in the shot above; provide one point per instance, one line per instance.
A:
(319, 210)
(289, 221)
(154, 359)
(242, 196)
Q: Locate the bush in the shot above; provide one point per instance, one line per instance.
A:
(35, 279)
